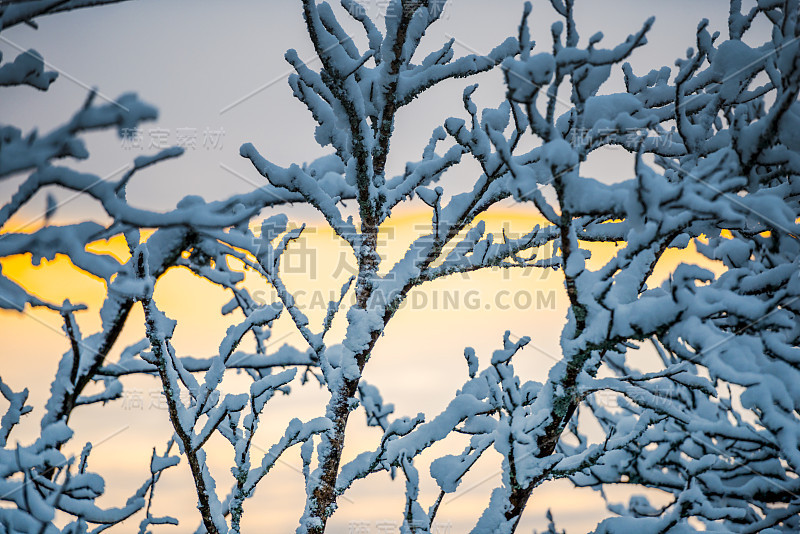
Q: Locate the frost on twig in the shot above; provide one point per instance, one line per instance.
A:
(721, 180)
(712, 142)
(45, 486)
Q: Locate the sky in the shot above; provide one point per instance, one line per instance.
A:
(217, 74)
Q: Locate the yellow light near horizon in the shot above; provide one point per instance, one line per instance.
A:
(436, 322)
(315, 268)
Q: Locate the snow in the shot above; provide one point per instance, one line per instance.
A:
(525, 78)
(715, 165)
(27, 68)
(607, 108)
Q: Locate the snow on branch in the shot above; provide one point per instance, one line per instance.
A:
(714, 152)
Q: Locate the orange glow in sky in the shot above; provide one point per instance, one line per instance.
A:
(436, 323)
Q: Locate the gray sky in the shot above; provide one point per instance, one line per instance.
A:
(194, 61)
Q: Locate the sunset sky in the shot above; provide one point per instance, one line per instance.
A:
(217, 70)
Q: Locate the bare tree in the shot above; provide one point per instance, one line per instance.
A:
(715, 427)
